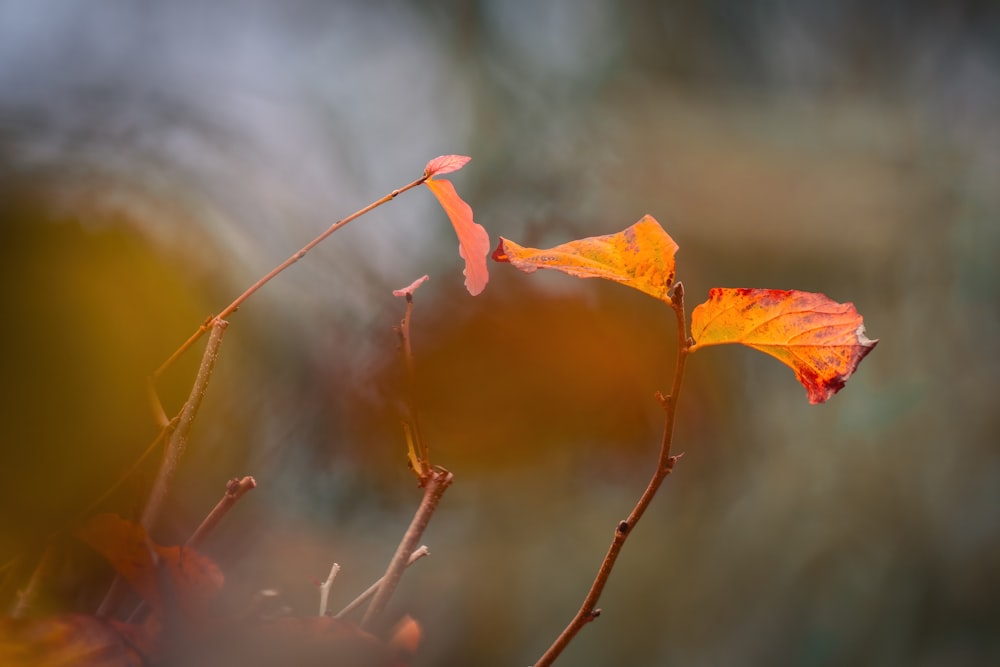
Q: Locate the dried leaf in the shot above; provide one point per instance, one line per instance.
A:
(194, 579)
(445, 164)
(411, 288)
(68, 641)
(641, 257)
(473, 241)
(405, 637)
(821, 340)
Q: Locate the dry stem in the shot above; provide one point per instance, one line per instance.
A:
(172, 455)
(27, 596)
(664, 466)
(324, 589)
(179, 438)
(415, 439)
(235, 489)
(370, 591)
(437, 482)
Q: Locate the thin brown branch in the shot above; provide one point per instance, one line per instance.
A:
(174, 450)
(179, 438)
(437, 483)
(26, 597)
(370, 591)
(235, 489)
(157, 441)
(415, 438)
(238, 301)
(155, 406)
(665, 464)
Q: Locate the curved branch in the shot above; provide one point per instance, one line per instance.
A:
(665, 464)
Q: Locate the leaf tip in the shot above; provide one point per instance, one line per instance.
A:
(500, 254)
(475, 286)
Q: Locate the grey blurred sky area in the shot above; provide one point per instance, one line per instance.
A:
(851, 148)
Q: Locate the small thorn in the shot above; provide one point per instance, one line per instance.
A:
(662, 399)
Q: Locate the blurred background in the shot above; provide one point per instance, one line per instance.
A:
(157, 158)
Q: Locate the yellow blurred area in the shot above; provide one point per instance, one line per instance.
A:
(90, 310)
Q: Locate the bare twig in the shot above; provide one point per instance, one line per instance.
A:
(172, 455)
(232, 307)
(155, 406)
(324, 589)
(157, 441)
(437, 482)
(179, 438)
(235, 489)
(370, 591)
(26, 596)
(419, 453)
(664, 466)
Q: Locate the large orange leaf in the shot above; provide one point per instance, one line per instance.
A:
(641, 257)
(473, 241)
(194, 579)
(821, 340)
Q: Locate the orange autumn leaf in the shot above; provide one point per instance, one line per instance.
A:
(641, 256)
(194, 578)
(821, 340)
(473, 241)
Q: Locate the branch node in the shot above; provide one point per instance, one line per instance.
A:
(593, 614)
(623, 527)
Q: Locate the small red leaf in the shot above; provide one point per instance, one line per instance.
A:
(473, 241)
(821, 340)
(445, 164)
(411, 288)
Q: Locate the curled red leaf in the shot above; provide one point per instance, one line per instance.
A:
(445, 164)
